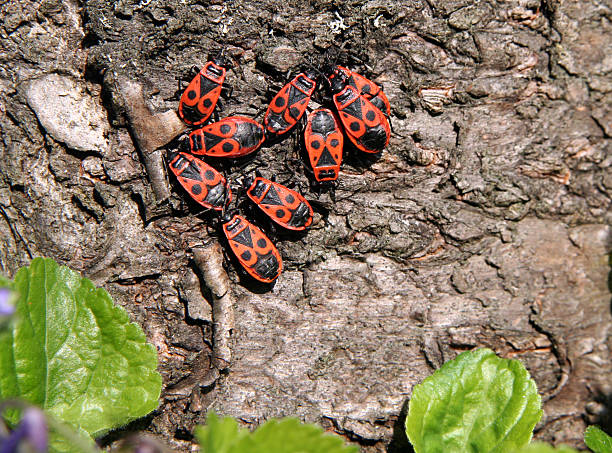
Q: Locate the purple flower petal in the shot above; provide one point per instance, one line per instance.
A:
(32, 428)
(11, 443)
(36, 429)
(6, 308)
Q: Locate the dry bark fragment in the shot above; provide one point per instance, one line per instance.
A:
(150, 130)
(209, 259)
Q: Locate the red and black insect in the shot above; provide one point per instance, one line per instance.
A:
(201, 95)
(365, 125)
(323, 139)
(205, 184)
(368, 89)
(256, 253)
(288, 106)
(283, 205)
(234, 136)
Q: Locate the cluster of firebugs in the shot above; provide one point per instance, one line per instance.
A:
(362, 112)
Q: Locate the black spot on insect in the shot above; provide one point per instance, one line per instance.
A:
(209, 175)
(225, 128)
(227, 147)
(272, 197)
(294, 112)
(326, 159)
(261, 243)
(335, 142)
(280, 101)
(366, 89)
(354, 126)
(196, 189)
(315, 144)
(246, 255)
(290, 199)
(191, 94)
(280, 213)
(196, 142)
(207, 103)
(244, 237)
(370, 115)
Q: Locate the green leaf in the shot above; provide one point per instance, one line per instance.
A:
(66, 439)
(219, 435)
(73, 353)
(5, 282)
(597, 440)
(288, 435)
(540, 447)
(477, 402)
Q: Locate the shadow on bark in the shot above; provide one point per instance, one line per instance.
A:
(399, 441)
(610, 277)
(133, 428)
(604, 418)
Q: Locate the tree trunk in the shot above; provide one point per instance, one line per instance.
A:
(485, 222)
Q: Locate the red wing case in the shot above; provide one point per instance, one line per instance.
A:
(234, 136)
(205, 184)
(288, 106)
(365, 125)
(256, 253)
(371, 91)
(285, 206)
(324, 142)
(201, 95)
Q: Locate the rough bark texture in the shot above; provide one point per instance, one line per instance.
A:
(486, 222)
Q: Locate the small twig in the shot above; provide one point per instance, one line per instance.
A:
(209, 259)
(150, 131)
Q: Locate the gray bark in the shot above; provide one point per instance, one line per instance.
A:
(486, 221)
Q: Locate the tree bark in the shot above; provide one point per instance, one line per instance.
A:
(485, 222)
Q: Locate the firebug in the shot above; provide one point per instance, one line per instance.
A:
(324, 140)
(234, 136)
(201, 95)
(365, 125)
(283, 205)
(256, 253)
(205, 184)
(365, 87)
(288, 106)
